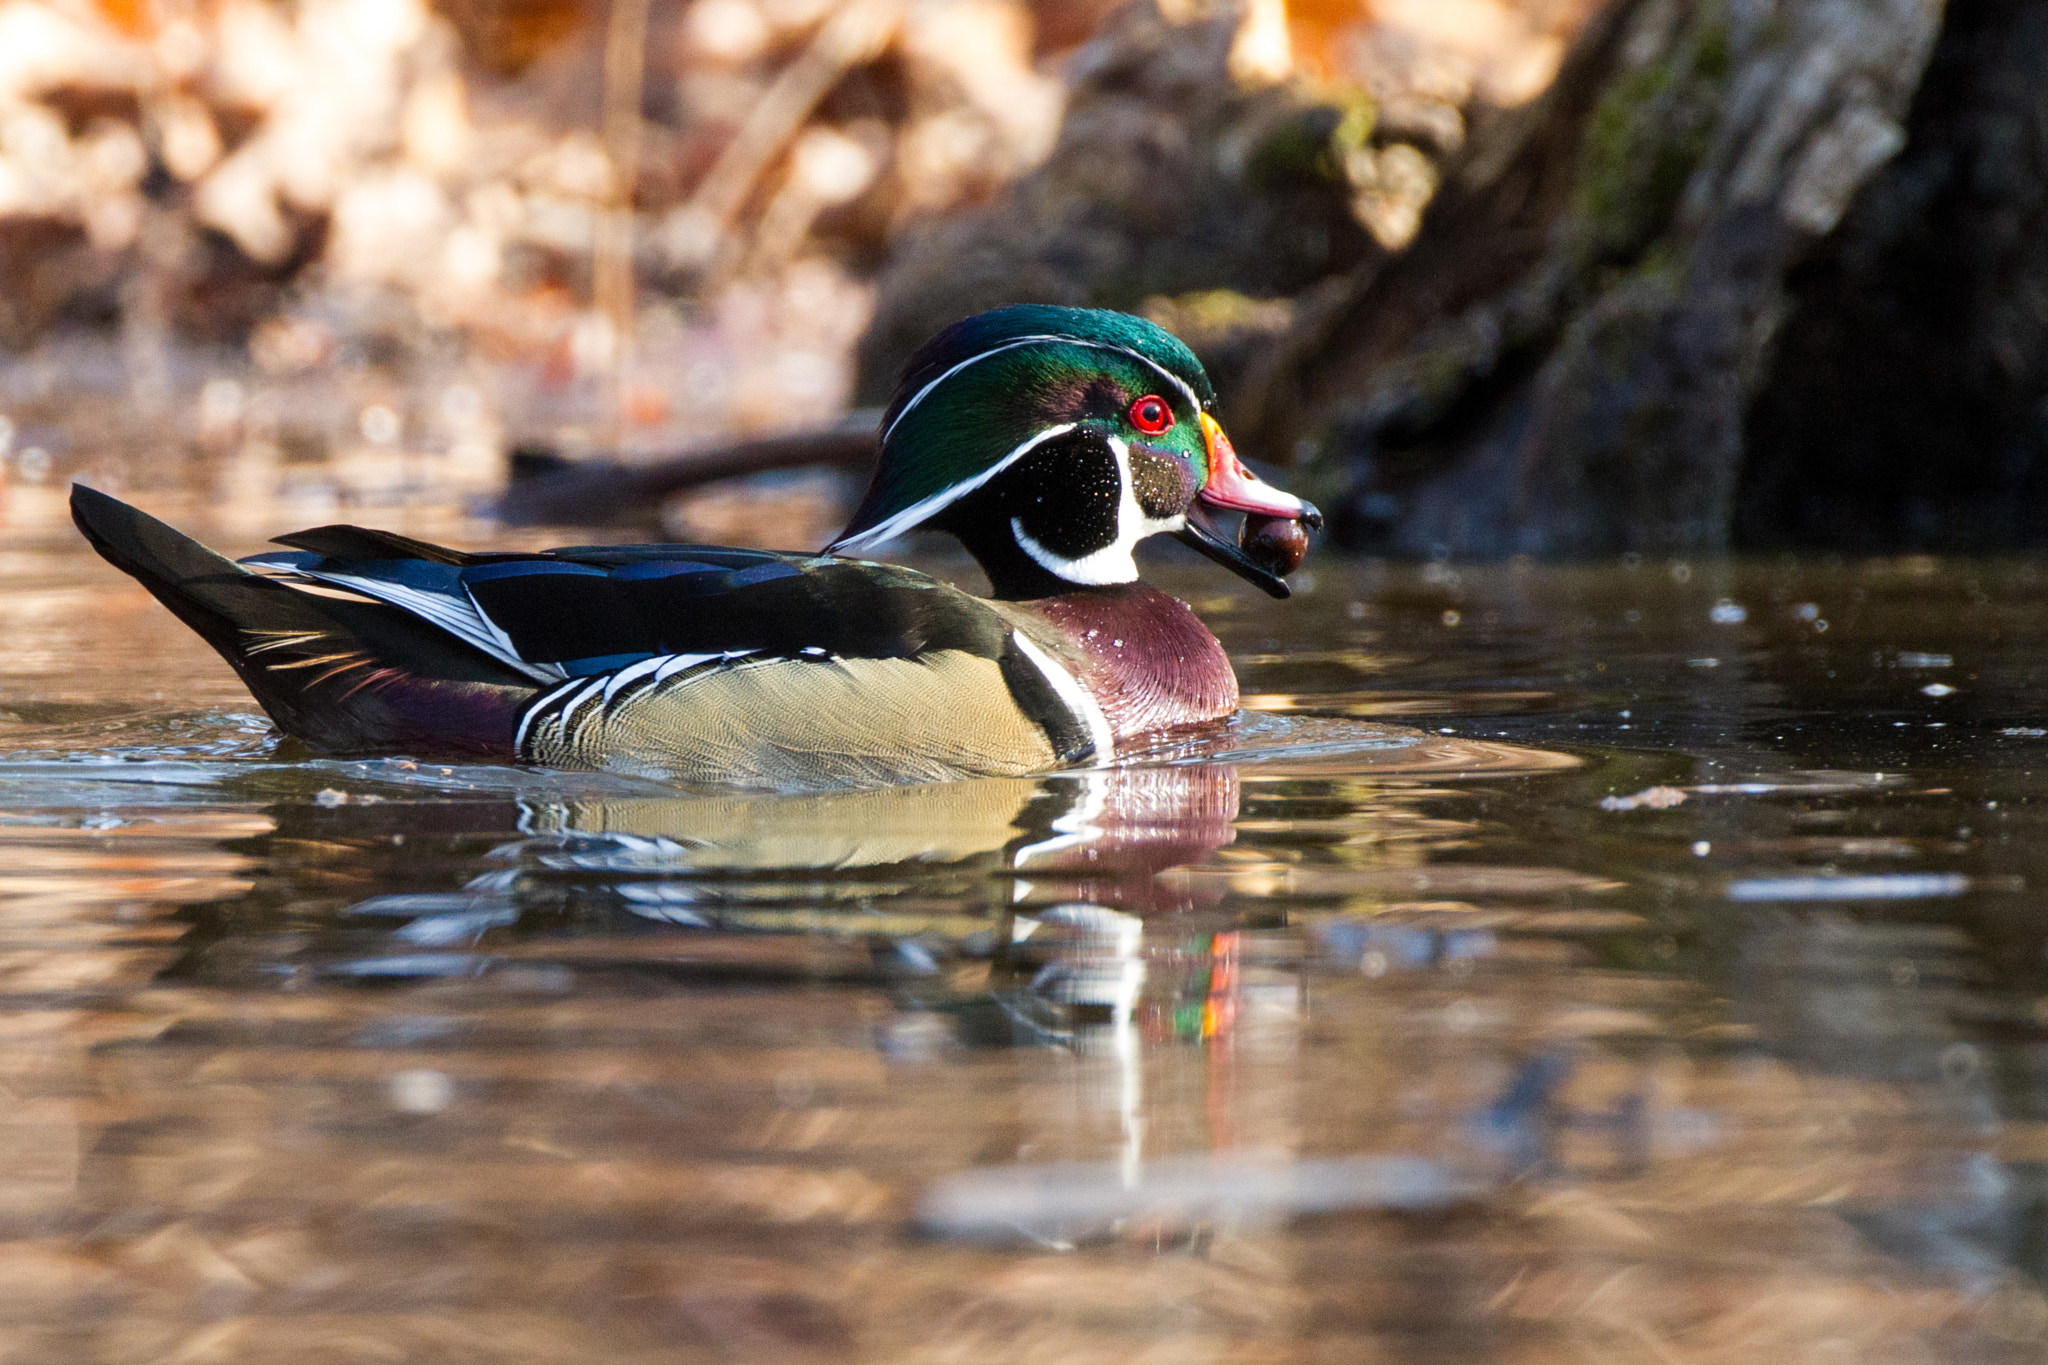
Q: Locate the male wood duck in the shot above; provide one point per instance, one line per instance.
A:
(1049, 441)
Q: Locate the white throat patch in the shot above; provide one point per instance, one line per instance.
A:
(1113, 562)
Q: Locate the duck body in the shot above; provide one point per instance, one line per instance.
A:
(710, 664)
(701, 663)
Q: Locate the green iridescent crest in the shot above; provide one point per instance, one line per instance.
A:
(988, 390)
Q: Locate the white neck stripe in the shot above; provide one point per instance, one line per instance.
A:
(919, 511)
(919, 396)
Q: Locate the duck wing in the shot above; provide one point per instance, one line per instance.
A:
(586, 611)
(721, 664)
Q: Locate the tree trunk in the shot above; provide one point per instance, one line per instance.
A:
(1566, 360)
(1905, 406)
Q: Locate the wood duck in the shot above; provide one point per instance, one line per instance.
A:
(1049, 441)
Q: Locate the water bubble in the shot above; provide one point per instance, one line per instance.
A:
(1701, 848)
(1681, 572)
(1937, 690)
(1728, 613)
(1806, 611)
(1451, 618)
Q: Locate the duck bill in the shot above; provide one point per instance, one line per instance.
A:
(1233, 487)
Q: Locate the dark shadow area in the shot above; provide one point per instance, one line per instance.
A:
(1904, 410)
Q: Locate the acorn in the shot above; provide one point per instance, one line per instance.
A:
(1276, 543)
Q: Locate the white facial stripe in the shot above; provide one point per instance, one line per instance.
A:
(918, 397)
(1069, 690)
(1165, 373)
(1113, 562)
(917, 512)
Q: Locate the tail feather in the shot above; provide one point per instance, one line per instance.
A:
(347, 676)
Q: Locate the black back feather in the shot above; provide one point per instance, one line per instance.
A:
(361, 542)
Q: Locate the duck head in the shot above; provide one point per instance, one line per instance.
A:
(1050, 441)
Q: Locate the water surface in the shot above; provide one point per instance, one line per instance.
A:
(1621, 963)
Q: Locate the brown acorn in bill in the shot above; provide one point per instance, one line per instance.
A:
(1048, 441)
(1274, 538)
(1279, 544)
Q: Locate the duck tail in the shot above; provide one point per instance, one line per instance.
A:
(341, 674)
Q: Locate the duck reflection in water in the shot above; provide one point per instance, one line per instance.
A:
(1052, 882)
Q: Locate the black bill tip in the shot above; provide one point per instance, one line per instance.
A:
(1201, 534)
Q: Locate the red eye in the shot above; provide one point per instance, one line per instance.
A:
(1151, 415)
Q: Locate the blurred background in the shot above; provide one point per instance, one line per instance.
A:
(1490, 277)
(320, 238)
(1612, 962)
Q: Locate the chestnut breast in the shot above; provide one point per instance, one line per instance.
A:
(1145, 657)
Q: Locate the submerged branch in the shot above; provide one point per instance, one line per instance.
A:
(547, 489)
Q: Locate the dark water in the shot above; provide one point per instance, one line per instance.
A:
(1631, 963)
